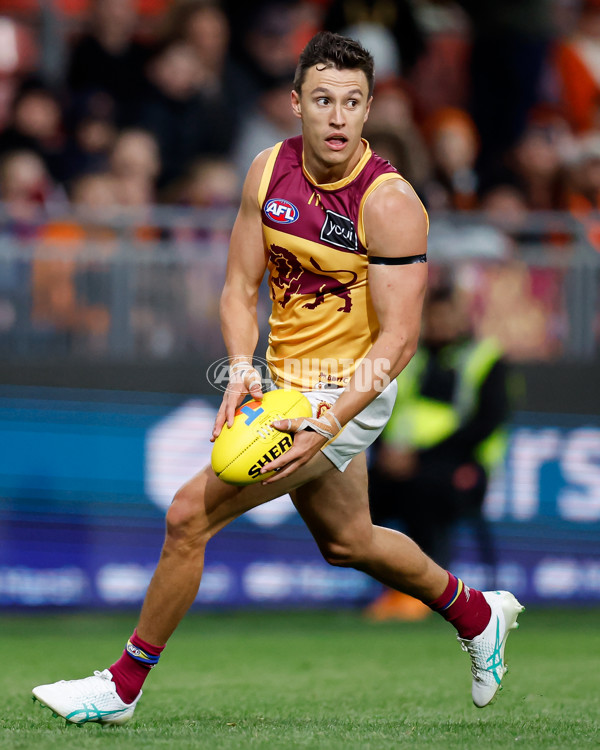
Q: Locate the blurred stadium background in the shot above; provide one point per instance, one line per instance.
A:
(125, 131)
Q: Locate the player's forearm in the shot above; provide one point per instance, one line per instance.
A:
(239, 323)
(386, 359)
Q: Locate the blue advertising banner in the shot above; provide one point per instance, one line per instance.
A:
(86, 477)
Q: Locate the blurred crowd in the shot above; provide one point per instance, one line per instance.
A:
(491, 105)
(124, 104)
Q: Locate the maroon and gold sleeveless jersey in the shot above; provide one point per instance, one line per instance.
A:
(322, 319)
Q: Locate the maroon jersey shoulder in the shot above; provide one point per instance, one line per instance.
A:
(375, 167)
(290, 153)
(288, 165)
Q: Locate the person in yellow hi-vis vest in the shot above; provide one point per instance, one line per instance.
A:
(432, 463)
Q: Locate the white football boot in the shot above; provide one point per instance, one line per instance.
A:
(487, 649)
(90, 699)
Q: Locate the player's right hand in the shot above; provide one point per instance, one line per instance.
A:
(244, 379)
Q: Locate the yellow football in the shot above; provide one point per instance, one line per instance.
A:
(243, 449)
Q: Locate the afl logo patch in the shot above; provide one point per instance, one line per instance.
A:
(281, 211)
(339, 230)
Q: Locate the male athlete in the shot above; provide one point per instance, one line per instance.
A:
(343, 237)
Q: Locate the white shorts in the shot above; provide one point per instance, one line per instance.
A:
(358, 434)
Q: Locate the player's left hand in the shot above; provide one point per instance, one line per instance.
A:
(244, 379)
(310, 435)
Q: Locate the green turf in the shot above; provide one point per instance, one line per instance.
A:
(311, 680)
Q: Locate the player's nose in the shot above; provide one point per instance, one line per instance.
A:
(337, 117)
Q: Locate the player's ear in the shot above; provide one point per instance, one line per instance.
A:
(296, 106)
(368, 109)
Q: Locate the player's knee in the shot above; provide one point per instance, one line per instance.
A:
(186, 521)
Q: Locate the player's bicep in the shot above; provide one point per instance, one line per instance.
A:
(396, 232)
(396, 225)
(397, 293)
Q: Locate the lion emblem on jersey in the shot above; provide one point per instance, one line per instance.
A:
(289, 275)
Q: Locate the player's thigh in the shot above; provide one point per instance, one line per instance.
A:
(205, 504)
(335, 507)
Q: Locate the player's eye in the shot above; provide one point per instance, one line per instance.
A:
(323, 100)
(352, 103)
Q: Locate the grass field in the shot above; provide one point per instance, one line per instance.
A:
(311, 680)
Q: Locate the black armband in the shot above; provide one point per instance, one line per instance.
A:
(406, 260)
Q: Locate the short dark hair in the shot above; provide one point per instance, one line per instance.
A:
(334, 51)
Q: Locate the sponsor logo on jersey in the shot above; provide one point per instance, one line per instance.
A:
(281, 211)
(340, 231)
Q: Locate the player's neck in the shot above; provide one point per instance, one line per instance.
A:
(324, 174)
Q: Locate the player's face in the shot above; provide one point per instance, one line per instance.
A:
(333, 105)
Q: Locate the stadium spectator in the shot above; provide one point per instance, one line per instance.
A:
(19, 59)
(271, 121)
(204, 25)
(510, 44)
(185, 120)
(538, 169)
(583, 186)
(211, 183)
(69, 294)
(25, 187)
(445, 435)
(394, 22)
(391, 127)
(108, 58)
(584, 176)
(505, 207)
(388, 143)
(520, 307)
(135, 167)
(93, 132)
(268, 43)
(578, 65)
(376, 36)
(454, 146)
(36, 125)
(441, 77)
(135, 156)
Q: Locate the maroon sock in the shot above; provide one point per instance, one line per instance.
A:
(464, 607)
(134, 666)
